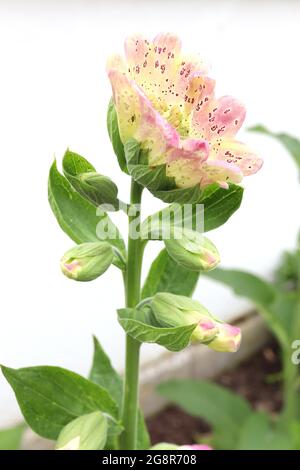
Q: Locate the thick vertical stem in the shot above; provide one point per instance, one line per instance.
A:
(128, 438)
(289, 388)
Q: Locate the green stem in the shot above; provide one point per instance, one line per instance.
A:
(289, 388)
(128, 439)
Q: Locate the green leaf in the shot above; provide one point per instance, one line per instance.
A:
(166, 275)
(74, 164)
(114, 134)
(98, 189)
(222, 409)
(287, 274)
(102, 373)
(220, 204)
(212, 210)
(143, 438)
(50, 397)
(292, 144)
(10, 438)
(145, 329)
(260, 292)
(245, 284)
(88, 432)
(77, 216)
(294, 429)
(259, 433)
(285, 311)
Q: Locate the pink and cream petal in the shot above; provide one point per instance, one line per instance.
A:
(220, 172)
(239, 154)
(221, 118)
(199, 90)
(187, 68)
(156, 134)
(138, 119)
(116, 62)
(186, 172)
(195, 149)
(136, 49)
(127, 104)
(153, 65)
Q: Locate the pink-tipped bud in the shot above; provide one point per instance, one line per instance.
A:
(87, 261)
(176, 310)
(227, 340)
(196, 447)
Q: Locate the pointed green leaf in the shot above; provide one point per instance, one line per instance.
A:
(213, 209)
(221, 408)
(292, 144)
(50, 397)
(220, 204)
(10, 438)
(98, 189)
(245, 284)
(103, 373)
(77, 216)
(259, 433)
(146, 330)
(166, 275)
(114, 134)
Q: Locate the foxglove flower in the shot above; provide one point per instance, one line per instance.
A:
(166, 101)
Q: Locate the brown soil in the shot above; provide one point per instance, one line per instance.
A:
(251, 379)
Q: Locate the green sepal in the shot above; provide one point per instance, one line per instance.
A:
(142, 326)
(97, 188)
(114, 135)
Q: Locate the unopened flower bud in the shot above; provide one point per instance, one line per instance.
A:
(100, 189)
(195, 447)
(87, 432)
(227, 340)
(168, 446)
(176, 310)
(87, 261)
(192, 250)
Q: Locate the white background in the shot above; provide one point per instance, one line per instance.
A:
(53, 95)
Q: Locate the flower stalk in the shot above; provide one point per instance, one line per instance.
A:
(128, 439)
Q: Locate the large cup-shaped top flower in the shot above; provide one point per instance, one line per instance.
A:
(166, 101)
